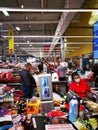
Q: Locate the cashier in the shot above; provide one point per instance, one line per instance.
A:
(80, 86)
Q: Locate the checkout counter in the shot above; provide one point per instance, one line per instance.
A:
(61, 84)
(87, 112)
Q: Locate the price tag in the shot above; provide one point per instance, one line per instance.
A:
(59, 127)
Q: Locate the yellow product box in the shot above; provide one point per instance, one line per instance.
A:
(33, 107)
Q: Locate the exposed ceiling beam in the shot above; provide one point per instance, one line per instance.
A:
(11, 27)
(65, 20)
(42, 5)
(29, 22)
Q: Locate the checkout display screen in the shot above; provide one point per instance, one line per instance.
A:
(45, 88)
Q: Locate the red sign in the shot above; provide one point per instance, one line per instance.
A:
(46, 48)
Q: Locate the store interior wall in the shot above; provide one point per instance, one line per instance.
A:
(80, 27)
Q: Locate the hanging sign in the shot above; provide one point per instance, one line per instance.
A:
(11, 42)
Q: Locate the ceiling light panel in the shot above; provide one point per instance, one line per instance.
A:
(17, 28)
(5, 13)
(47, 10)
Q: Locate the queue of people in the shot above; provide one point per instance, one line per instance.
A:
(77, 84)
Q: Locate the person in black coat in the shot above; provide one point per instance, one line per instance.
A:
(28, 81)
(40, 67)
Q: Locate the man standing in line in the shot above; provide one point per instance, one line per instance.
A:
(28, 81)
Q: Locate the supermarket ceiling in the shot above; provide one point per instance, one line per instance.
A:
(41, 23)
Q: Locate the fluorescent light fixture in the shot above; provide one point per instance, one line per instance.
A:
(22, 6)
(37, 43)
(28, 41)
(17, 28)
(46, 10)
(79, 43)
(68, 50)
(28, 49)
(78, 37)
(5, 12)
(30, 36)
(37, 50)
(47, 36)
(30, 26)
(65, 44)
(26, 17)
(73, 47)
(65, 40)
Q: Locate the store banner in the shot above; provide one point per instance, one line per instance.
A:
(11, 41)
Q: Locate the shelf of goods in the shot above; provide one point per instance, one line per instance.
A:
(6, 104)
(6, 93)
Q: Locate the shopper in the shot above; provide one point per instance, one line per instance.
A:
(80, 86)
(27, 80)
(40, 67)
(61, 70)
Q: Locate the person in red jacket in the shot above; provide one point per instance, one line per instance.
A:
(80, 86)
